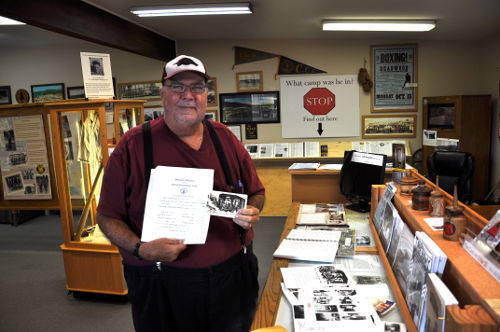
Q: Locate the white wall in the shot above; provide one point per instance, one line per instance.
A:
(444, 68)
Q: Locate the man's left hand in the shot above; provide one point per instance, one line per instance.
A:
(247, 217)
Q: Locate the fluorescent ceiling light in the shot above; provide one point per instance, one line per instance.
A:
(378, 25)
(194, 9)
(8, 21)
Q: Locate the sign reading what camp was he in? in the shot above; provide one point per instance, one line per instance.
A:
(319, 106)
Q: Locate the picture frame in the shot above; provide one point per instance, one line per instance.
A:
(211, 115)
(75, 92)
(148, 90)
(250, 107)
(249, 81)
(42, 93)
(389, 126)
(212, 92)
(394, 69)
(236, 130)
(5, 95)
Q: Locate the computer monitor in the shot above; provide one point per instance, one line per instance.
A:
(359, 171)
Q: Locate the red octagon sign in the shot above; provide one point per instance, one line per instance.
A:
(319, 101)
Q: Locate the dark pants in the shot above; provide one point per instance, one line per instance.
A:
(220, 298)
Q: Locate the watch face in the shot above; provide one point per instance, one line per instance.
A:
(22, 96)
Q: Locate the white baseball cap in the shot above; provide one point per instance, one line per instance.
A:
(183, 63)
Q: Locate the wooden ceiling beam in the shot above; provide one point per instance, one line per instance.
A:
(81, 20)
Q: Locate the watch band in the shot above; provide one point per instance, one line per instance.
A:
(136, 250)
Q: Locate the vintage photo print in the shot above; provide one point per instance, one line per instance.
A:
(330, 275)
(96, 66)
(10, 140)
(369, 279)
(14, 182)
(42, 184)
(394, 327)
(226, 204)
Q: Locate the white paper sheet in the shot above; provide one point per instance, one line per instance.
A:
(176, 204)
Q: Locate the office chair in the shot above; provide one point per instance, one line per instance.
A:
(453, 168)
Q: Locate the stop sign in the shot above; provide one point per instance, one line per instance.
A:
(319, 101)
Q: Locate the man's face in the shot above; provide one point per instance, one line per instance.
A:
(184, 108)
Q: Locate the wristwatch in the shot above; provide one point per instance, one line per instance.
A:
(136, 250)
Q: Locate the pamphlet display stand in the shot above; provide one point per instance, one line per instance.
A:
(476, 290)
(77, 151)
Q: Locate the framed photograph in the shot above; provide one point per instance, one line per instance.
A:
(75, 92)
(250, 107)
(394, 70)
(249, 81)
(47, 92)
(212, 92)
(5, 95)
(389, 126)
(149, 90)
(211, 115)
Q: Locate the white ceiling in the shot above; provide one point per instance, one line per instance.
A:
(465, 20)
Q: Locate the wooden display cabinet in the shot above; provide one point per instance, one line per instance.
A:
(468, 119)
(78, 132)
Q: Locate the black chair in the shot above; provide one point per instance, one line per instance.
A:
(453, 168)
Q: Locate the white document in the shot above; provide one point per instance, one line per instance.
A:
(266, 150)
(309, 245)
(429, 137)
(303, 166)
(311, 149)
(97, 76)
(253, 150)
(314, 276)
(281, 150)
(176, 204)
(296, 149)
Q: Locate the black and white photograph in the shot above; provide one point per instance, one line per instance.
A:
(10, 140)
(14, 182)
(28, 174)
(226, 204)
(149, 90)
(369, 280)
(363, 240)
(331, 275)
(42, 184)
(5, 95)
(249, 81)
(68, 150)
(18, 158)
(348, 307)
(327, 316)
(394, 327)
(211, 115)
(96, 66)
(29, 190)
(389, 126)
(250, 107)
(298, 312)
(353, 316)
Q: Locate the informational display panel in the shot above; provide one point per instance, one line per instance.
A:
(97, 76)
(24, 163)
(316, 106)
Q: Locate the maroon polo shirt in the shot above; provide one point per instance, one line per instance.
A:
(123, 192)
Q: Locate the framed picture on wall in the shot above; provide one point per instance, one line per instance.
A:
(212, 92)
(250, 107)
(389, 126)
(394, 70)
(249, 81)
(5, 95)
(47, 92)
(149, 90)
(75, 92)
(211, 115)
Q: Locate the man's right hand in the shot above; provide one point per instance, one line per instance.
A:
(161, 250)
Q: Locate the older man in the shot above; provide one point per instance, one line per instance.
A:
(209, 287)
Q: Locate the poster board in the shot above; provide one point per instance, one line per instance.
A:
(315, 106)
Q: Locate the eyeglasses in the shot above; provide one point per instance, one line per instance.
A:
(177, 87)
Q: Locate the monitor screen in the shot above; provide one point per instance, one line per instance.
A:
(359, 171)
(441, 116)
